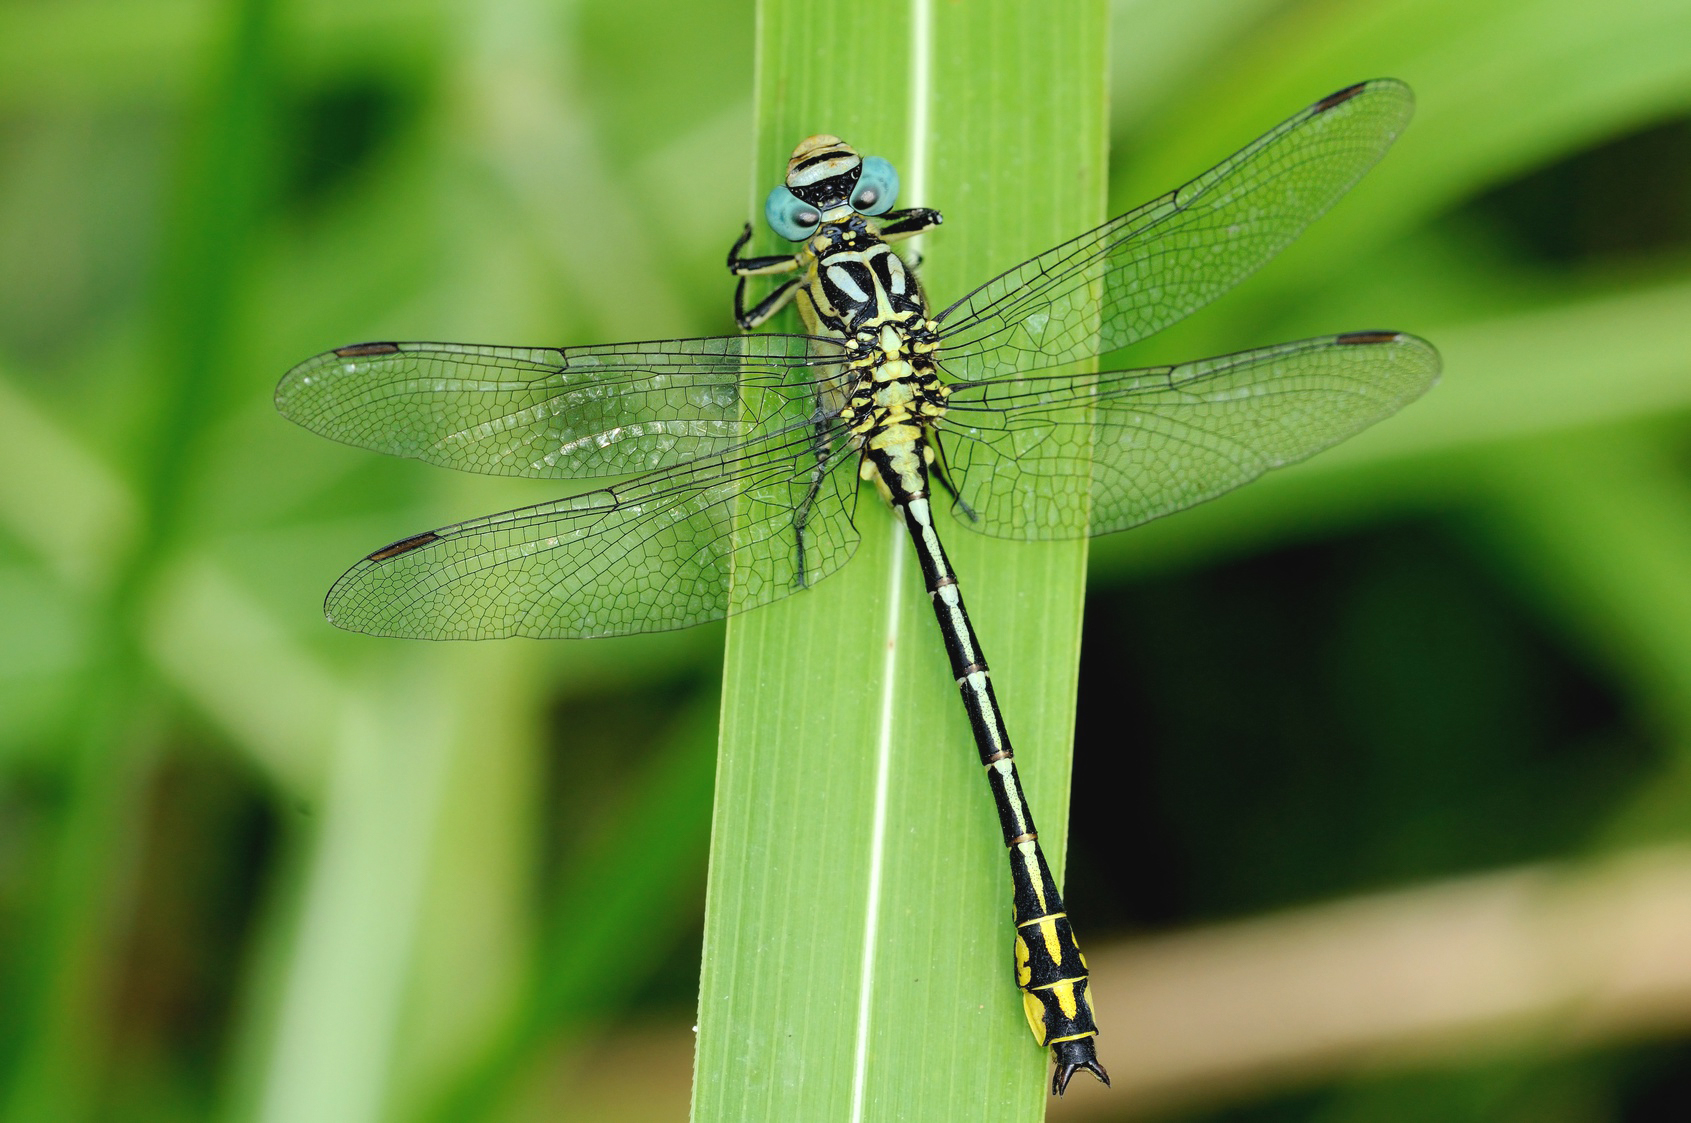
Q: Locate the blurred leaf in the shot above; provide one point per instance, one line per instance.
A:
(41, 660)
(280, 704)
(59, 1031)
(65, 51)
(56, 496)
(614, 916)
(1157, 51)
(1601, 523)
(332, 1030)
(1483, 114)
(1601, 360)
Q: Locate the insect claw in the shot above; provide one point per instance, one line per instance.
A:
(1071, 1057)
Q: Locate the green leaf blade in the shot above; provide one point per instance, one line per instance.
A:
(857, 955)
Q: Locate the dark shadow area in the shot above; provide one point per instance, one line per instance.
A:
(1626, 199)
(1368, 712)
(335, 133)
(195, 910)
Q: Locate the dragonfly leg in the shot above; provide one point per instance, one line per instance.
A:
(743, 267)
(940, 470)
(749, 318)
(897, 225)
(756, 266)
(801, 515)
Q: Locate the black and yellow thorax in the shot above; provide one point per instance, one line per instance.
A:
(857, 290)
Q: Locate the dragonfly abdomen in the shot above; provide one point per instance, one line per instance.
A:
(857, 289)
(1050, 969)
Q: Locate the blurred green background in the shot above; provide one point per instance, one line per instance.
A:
(1383, 776)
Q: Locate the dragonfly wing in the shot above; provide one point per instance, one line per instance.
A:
(674, 548)
(1163, 439)
(1143, 271)
(570, 412)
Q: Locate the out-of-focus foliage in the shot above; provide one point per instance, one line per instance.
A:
(251, 867)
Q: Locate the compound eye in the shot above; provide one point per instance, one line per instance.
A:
(790, 216)
(877, 187)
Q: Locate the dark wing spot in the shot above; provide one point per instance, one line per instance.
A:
(1368, 337)
(1338, 97)
(404, 546)
(360, 350)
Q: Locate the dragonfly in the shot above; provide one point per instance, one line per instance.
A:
(738, 460)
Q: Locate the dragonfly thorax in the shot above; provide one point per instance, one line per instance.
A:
(856, 289)
(892, 392)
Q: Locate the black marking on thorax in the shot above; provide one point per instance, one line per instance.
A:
(857, 282)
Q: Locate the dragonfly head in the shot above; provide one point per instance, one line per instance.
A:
(827, 181)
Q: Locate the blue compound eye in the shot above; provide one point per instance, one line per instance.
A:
(790, 216)
(877, 187)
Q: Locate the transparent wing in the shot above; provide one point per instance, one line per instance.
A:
(575, 412)
(1163, 439)
(1141, 272)
(667, 550)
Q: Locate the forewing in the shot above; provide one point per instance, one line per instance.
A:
(572, 412)
(668, 550)
(1069, 455)
(1138, 273)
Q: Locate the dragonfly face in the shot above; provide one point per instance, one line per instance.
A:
(744, 451)
(827, 181)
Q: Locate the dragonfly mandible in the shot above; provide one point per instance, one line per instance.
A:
(746, 452)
